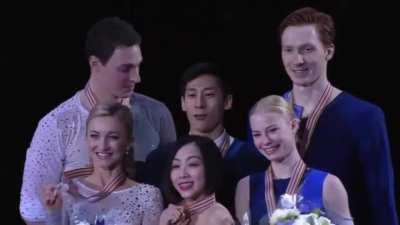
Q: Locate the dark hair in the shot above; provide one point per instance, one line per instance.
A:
(212, 161)
(124, 116)
(202, 68)
(307, 15)
(108, 34)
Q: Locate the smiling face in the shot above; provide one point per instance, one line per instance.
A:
(188, 173)
(304, 56)
(108, 141)
(273, 134)
(204, 104)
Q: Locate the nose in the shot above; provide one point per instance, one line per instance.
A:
(299, 59)
(264, 141)
(135, 75)
(183, 172)
(103, 144)
(199, 101)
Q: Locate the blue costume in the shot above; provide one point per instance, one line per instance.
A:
(311, 189)
(350, 141)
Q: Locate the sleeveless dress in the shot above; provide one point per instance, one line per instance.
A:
(310, 189)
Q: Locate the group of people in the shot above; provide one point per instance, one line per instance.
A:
(110, 155)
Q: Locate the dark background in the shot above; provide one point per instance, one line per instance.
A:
(42, 61)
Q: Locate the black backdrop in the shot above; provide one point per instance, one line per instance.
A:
(42, 59)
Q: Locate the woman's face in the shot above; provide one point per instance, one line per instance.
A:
(273, 134)
(187, 173)
(108, 141)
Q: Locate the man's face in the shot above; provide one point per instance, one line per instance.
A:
(304, 56)
(204, 104)
(120, 74)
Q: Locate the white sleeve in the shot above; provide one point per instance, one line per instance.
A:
(154, 207)
(43, 165)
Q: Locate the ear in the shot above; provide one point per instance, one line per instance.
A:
(295, 123)
(94, 64)
(330, 50)
(228, 102)
(183, 105)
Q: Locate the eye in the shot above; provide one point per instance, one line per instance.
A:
(93, 136)
(125, 69)
(287, 50)
(191, 95)
(174, 166)
(256, 135)
(308, 49)
(194, 164)
(273, 130)
(210, 94)
(114, 137)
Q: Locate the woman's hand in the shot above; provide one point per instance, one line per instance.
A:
(51, 197)
(174, 215)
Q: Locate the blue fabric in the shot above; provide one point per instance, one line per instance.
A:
(350, 141)
(311, 190)
(241, 160)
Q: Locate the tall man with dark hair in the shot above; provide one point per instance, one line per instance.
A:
(58, 146)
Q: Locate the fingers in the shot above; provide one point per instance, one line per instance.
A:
(50, 194)
(175, 213)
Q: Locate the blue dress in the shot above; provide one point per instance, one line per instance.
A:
(350, 141)
(311, 190)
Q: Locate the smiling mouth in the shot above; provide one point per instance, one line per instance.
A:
(271, 149)
(184, 186)
(200, 116)
(300, 70)
(103, 155)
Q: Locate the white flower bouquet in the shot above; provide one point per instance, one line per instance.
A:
(290, 214)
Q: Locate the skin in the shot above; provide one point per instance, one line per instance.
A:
(204, 104)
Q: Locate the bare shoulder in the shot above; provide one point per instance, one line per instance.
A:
(335, 197)
(332, 184)
(219, 215)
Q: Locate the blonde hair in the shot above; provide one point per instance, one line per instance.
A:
(273, 103)
(124, 115)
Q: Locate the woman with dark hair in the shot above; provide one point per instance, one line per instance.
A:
(104, 193)
(192, 178)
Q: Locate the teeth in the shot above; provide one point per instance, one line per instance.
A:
(102, 154)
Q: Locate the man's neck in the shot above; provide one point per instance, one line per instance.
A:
(308, 96)
(101, 95)
(214, 134)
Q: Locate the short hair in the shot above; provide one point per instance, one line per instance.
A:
(107, 35)
(324, 23)
(200, 69)
(273, 103)
(124, 116)
(212, 161)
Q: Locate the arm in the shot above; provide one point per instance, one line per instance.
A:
(167, 126)
(220, 216)
(374, 155)
(43, 165)
(336, 202)
(242, 200)
(153, 208)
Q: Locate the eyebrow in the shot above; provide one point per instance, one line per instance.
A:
(190, 157)
(212, 88)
